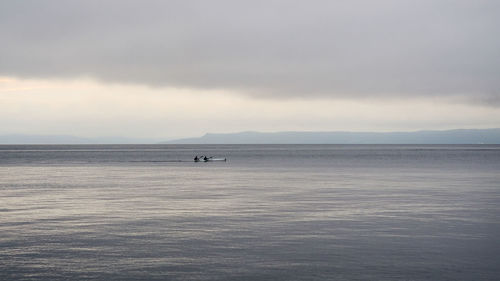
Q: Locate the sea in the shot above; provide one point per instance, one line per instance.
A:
(270, 212)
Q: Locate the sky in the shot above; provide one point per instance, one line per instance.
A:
(168, 69)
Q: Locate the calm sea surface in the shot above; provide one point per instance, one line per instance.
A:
(271, 212)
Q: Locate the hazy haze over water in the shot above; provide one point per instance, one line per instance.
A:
(272, 212)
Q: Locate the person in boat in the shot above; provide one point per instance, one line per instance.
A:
(205, 158)
(196, 159)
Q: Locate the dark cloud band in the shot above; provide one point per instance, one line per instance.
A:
(263, 48)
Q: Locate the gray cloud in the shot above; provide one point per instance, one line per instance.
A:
(263, 48)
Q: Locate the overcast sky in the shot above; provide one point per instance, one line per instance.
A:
(184, 68)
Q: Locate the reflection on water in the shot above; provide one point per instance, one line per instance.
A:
(270, 213)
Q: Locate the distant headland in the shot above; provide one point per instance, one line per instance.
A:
(461, 136)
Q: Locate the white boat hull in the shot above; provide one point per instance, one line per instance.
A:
(211, 160)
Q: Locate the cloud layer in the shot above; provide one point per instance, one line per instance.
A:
(387, 48)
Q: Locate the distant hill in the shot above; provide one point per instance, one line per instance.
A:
(463, 136)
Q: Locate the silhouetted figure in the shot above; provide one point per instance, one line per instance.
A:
(196, 159)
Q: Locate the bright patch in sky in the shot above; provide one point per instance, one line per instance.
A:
(84, 107)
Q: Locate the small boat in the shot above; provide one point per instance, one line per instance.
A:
(209, 159)
(216, 159)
